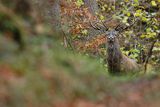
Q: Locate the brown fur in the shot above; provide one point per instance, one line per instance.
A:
(117, 62)
(129, 65)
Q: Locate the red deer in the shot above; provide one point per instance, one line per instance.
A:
(117, 62)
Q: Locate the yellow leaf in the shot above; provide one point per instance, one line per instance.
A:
(101, 17)
(136, 1)
(153, 3)
(144, 19)
(138, 13)
(85, 32)
(103, 8)
(128, 14)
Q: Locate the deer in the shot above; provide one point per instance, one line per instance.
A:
(117, 62)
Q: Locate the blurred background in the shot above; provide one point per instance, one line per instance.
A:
(50, 56)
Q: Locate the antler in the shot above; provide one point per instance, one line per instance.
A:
(99, 26)
(106, 27)
(120, 29)
(95, 27)
(129, 25)
(117, 27)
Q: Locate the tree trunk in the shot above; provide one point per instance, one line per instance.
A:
(93, 9)
(50, 10)
(56, 17)
(92, 6)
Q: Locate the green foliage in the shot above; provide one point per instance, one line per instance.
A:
(6, 22)
(146, 27)
(84, 32)
(153, 3)
(79, 3)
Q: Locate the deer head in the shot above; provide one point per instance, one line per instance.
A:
(111, 34)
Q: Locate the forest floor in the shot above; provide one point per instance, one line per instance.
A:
(43, 76)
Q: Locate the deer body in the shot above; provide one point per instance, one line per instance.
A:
(117, 62)
(114, 56)
(129, 65)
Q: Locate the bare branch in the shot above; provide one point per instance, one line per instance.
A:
(150, 51)
(149, 55)
(99, 25)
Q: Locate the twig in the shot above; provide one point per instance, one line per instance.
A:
(149, 54)
(68, 40)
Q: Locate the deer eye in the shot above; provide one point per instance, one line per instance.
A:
(110, 37)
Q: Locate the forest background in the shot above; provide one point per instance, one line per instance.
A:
(50, 56)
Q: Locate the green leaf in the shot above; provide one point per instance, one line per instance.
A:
(79, 3)
(125, 19)
(144, 19)
(143, 36)
(148, 30)
(103, 8)
(138, 13)
(85, 32)
(126, 0)
(136, 1)
(156, 49)
(101, 17)
(113, 7)
(153, 3)
(128, 14)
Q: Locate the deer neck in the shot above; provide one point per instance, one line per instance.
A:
(114, 56)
